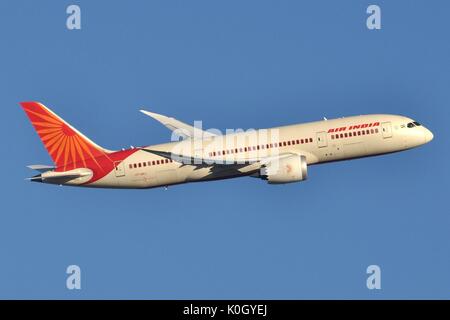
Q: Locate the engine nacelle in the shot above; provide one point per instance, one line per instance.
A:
(285, 170)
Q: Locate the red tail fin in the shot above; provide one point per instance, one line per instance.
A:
(68, 147)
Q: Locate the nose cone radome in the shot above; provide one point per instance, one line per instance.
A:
(428, 135)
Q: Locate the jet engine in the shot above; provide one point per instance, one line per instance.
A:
(285, 170)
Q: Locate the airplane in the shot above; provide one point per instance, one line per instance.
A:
(277, 155)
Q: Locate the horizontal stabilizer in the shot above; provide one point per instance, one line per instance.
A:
(82, 174)
(41, 167)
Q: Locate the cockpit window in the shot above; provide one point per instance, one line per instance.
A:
(413, 124)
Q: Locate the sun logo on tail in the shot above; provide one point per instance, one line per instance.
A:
(65, 144)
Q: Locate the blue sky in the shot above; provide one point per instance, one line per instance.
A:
(231, 64)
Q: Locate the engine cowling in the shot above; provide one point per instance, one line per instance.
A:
(285, 170)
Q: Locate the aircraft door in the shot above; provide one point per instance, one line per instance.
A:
(321, 139)
(386, 129)
(119, 168)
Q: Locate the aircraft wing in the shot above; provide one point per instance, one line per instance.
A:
(189, 160)
(182, 129)
(255, 163)
(215, 167)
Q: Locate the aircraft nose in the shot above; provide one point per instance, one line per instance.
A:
(428, 135)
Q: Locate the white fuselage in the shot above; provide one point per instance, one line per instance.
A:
(318, 142)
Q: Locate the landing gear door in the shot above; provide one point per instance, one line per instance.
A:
(386, 129)
(119, 168)
(321, 139)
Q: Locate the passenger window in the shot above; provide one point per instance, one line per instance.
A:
(131, 166)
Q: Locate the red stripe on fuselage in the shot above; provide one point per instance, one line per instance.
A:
(102, 165)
